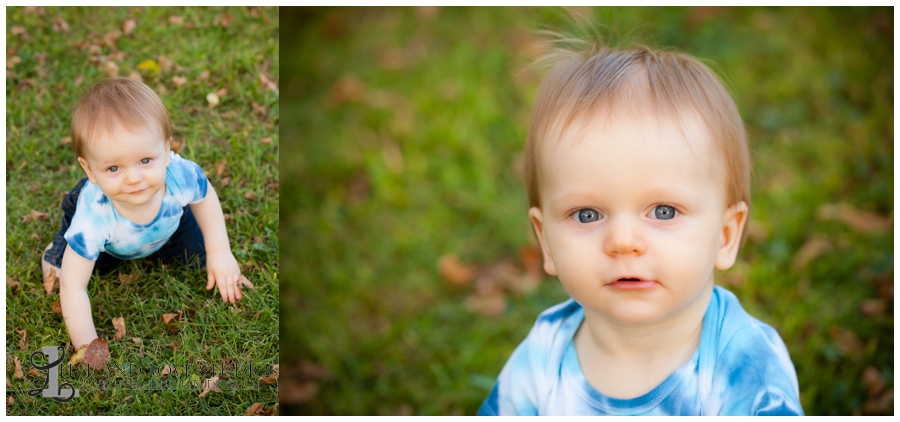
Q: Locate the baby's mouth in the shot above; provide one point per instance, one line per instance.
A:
(629, 279)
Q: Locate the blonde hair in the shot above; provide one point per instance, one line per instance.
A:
(593, 78)
(121, 101)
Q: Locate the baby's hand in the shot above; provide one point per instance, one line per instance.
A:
(224, 273)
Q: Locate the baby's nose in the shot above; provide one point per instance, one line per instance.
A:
(133, 175)
(624, 237)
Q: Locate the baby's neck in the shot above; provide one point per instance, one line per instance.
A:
(628, 361)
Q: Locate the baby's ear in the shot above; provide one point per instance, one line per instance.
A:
(87, 169)
(734, 220)
(537, 221)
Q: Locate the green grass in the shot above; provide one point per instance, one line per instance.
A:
(426, 161)
(40, 94)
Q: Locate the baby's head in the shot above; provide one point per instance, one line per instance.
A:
(115, 104)
(638, 179)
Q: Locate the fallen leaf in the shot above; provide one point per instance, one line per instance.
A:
(96, 355)
(268, 83)
(220, 167)
(65, 141)
(177, 146)
(202, 76)
(13, 285)
(117, 56)
(226, 20)
(95, 50)
(60, 25)
(296, 392)
(128, 26)
(126, 279)
(226, 217)
(22, 343)
(210, 384)
(135, 76)
(883, 405)
(251, 195)
(13, 61)
(150, 65)
(225, 181)
(18, 372)
(179, 81)
(491, 305)
(258, 109)
(454, 271)
(35, 373)
(873, 307)
(57, 308)
(346, 89)
(78, 357)
(859, 220)
(173, 346)
(111, 69)
(176, 20)
(427, 12)
(266, 140)
(212, 99)
(9, 401)
(222, 93)
(165, 63)
(8, 384)
(36, 237)
(137, 340)
(119, 323)
(268, 380)
(128, 399)
(35, 215)
(256, 409)
(51, 282)
(270, 411)
(79, 79)
(846, 341)
(167, 318)
(872, 381)
(813, 248)
(17, 30)
(166, 370)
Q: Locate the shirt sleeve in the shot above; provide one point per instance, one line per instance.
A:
(186, 180)
(515, 392)
(85, 234)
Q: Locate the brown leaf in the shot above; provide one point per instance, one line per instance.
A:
(251, 195)
(35, 373)
(220, 167)
(128, 399)
(8, 384)
(78, 357)
(167, 318)
(60, 25)
(18, 372)
(846, 341)
(226, 217)
(179, 81)
(65, 141)
(57, 308)
(34, 216)
(51, 282)
(454, 271)
(210, 384)
(491, 305)
(128, 26)
(177, 145)
(17, 30)
(266, 140)
(872, 381)
(165, 64)
(119, 323)
(22, 343)
(226, 20)
(346, 89)
(176, 20)
(258, 109)
(873, 307)
(813, 248)
(13, 61)
(296, 392)
(203, 75)
(225, 181)
(96, 355)
(111, 69)
(173, 346)
(256, 409)
(268, 380)
(79, 79)
(883, 405)
(135, 76)
(270, 411)
(9, 400)
(859, 220)
(13, 285)
(221, 93)
(166, 370)
(268, 83)
(126, 279)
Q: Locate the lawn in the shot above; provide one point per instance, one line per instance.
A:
(410, 280)
(184, 54)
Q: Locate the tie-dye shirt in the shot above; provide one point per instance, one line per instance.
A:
(98, 227)
(741, 367)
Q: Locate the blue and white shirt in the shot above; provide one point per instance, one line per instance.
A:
(97, 226)
(741, 367)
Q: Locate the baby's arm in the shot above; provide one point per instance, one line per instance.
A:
(75, 273)
(222, 268)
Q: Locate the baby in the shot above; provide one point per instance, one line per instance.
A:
(138, 198)
(638, 179)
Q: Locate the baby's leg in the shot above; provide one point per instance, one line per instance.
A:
(186, 246)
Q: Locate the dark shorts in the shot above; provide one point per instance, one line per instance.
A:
(185, 247)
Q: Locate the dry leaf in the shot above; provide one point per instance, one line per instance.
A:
(296, 392)
(166, 370)
(220, 167)
(346, 89)
(51, 282)
(177, 146)
(226, 217)
(256, 409)
(35, 373)
(126, 279)
(65, 141)
(173, 346)
(203, 75)
(8, 384)
(13, 61)
(873, 307)
(212, 99)
(268, 380)
(859, 220)
(179, 81)
(813, 248)
(167, 318)
(97, 354)
(210, 384)
(222, 93)
(78, 357)
(22, 343)
(79, 79)
(266, 140)
(17, 30)
(18, 373)
(872, 381)
(128, 26)
(492, 304)
(111, 69)
(135, 76)
(119, 323)
(883, 405)
(57, 308)
(128, 399)
(258, 109)
(226, 20)
(60, 25)
(268, 83)
(846, 341)
(251, 195)
(176, 20)
(9, 401)
(13, 285)
(454, 271)
(165, 63)
(35, 215)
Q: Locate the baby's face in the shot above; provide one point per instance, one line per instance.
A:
(128, 166)
(633, 217)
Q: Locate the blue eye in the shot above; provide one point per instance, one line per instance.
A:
(588, 215)
(664, 212)
(145, 161)
(113, 169)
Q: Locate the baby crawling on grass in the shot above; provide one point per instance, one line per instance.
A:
(139, 198)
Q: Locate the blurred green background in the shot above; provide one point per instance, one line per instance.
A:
(409, 261)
